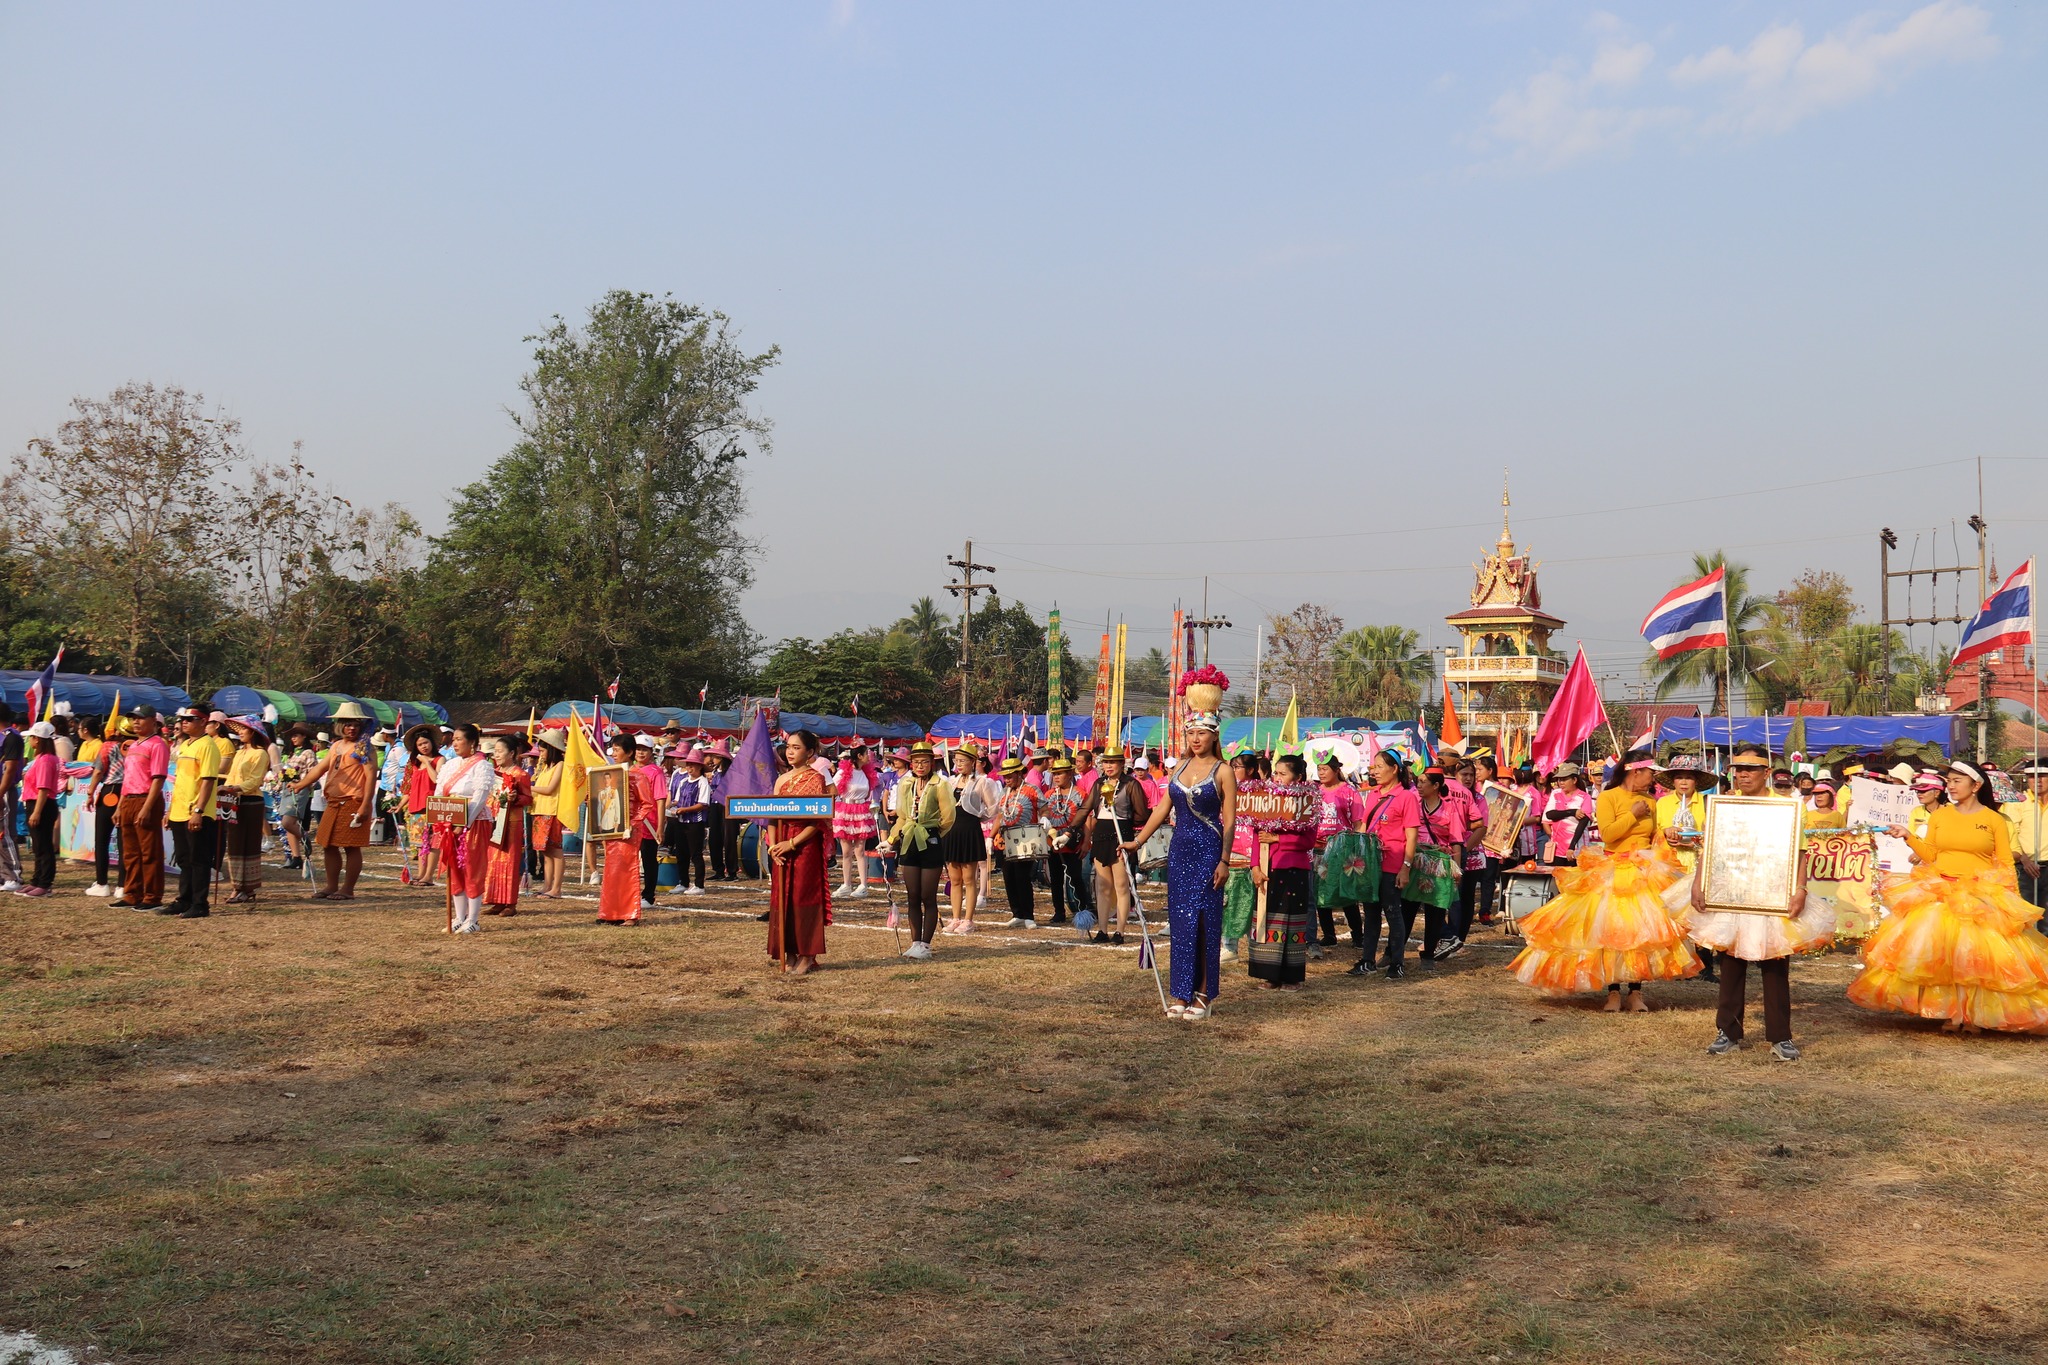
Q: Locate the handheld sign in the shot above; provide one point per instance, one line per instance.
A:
(778, 807)
(448, 809)
(1276, 806)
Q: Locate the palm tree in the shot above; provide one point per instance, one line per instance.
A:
(1750, 657)
(1379, 672)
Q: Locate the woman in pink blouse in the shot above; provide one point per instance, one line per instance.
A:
(41, 781)
(1392, 817)
(1343, 809)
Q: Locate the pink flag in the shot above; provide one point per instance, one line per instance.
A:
(1574, 714)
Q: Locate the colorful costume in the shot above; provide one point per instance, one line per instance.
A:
(463, 846)
(1611, 923)
(619, 889)
(505, 860)
(799, 901)
(1194, 903)
(1959, 943)
(350, 776)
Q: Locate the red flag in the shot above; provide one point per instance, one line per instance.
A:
(1574, 714)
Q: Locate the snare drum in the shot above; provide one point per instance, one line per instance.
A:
(1522, 893)
(1152, 855)
(1023, 843)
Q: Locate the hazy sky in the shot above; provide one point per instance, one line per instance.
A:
(1127, 293)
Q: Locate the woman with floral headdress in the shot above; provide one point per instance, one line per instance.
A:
(1202, 794)
(1960, 944)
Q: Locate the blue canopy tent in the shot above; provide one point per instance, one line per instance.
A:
(312, 706)
(93, 694)
(1822, 732)
(237, 700)
(999, 725)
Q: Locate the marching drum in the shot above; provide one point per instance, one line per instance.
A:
(1523, 892)
(1026, 842)
(1152, 856)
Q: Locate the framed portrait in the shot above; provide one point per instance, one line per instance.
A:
(610, 802)
(1507, 810)
(1751, 855)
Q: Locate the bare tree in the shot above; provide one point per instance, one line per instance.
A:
(1303, 645)
(119, 512)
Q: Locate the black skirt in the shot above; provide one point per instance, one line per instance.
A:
(964, 842)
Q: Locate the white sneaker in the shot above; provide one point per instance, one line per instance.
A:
(1227, 955)
(693, 891)
(981, 902)
(918, 952)
(842, 889)
(1019, 922)
(100, 890)
(854, 894)
(648, 905)
(10, 886)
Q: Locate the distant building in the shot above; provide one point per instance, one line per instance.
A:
(1505, 673)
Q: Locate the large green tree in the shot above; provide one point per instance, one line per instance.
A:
(881, 667)
(606, 542)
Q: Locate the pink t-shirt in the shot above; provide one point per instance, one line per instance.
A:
(1342, 809)
(145, 761)
(1447, 825)
(41, 777)
(1390, 817)
(1292, 849)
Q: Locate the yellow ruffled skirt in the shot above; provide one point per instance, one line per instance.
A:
(1608, 926)
(1962, 949)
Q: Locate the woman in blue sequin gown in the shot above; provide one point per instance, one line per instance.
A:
(1202, 794)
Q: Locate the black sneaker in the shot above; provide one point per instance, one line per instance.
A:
(1395, 971)
(1116, 940)
(172, 909)
(1787, 1051)
(1362, 967)
(1449, 949)
(1100, 936)
(198, 913)
(1722, 1045)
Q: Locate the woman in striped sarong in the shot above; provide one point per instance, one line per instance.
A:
(243, 794)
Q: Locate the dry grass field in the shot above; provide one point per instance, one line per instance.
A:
(300, 1131)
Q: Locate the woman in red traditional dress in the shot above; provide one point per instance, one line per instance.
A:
(618, 895)
(798, 900)
(470, 776)
(505, 862)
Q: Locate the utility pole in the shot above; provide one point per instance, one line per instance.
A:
(965, 588)
(1887, 541)
(1207, 622)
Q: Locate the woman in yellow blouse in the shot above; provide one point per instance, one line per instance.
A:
(1959, 943)
(1609, 926)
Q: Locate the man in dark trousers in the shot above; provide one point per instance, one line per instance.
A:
(1749, 771)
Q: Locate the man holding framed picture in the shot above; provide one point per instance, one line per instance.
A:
(1749, 901)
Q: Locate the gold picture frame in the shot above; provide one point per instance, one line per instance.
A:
(611, 802)
(1507, 810)
(1750, 855)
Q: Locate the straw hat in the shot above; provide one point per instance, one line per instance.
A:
(553, 739)
(349, 710)
(1688, 765)
(1013, 767)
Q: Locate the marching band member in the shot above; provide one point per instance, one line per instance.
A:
(1064, 809)
(924, 816)
(1117, 803)
(1016, 808)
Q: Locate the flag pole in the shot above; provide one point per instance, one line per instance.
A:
(1258, 679)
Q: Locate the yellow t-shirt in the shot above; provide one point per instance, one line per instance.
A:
(1961, 842)
(198, 759)
(1621, 831)
(544, 802)
(2029, 839)
(247, 769)
(88, 750)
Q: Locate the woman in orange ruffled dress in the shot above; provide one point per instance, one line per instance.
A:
(1610, 926)
(1959, 942)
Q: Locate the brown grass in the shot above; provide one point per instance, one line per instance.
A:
(326, 1133)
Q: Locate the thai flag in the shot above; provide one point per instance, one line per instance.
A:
(1694, 616)
(43, 691)
(2007, 618)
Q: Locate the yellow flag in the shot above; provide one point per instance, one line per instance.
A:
(577, 758)
(113, 718)
(532, 719)
(1290, 727)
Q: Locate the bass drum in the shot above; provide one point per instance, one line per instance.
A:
(1521, 893)
(1152, 855)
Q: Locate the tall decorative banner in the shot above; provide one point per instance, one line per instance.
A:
(1101, 712)
(1115, 742)
(1176, 664)
(1055, 693)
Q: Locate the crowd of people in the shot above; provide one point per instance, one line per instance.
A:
(1398, 843)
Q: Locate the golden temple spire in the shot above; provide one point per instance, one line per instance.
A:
(1507, 537)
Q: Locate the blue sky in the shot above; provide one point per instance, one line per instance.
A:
(1127, 293)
